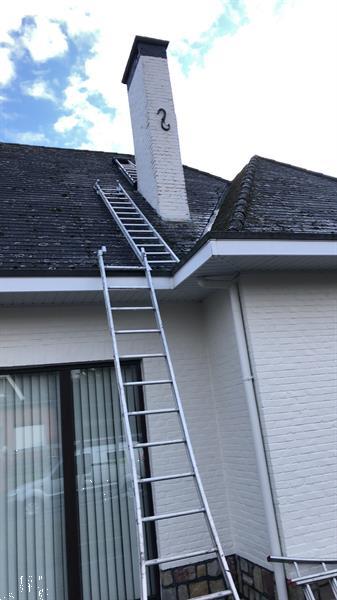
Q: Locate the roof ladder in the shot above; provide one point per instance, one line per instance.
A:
(128, 168)
(137, 229)
(179, 439)
(305, 581)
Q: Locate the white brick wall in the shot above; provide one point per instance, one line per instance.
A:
(293, 336)
(49, 335)
(159, 169)
(247, 518)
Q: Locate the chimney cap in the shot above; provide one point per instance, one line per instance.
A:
(143, 46)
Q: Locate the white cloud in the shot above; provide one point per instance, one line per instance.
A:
(44, 39)
(29, 137)
(6, 66)
(66, 123)
(268, 88)
(38, 89)
(97, 125)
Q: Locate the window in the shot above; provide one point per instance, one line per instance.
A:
(66, 502)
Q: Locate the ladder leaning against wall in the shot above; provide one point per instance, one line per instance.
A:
(153, 249)
(319, 573)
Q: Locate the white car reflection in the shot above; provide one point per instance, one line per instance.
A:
(102, 475)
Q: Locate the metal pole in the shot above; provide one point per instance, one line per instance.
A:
(257, 434)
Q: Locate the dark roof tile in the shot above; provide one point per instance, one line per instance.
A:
(51, 218)
(273, 199)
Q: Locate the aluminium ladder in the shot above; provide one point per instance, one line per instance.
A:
(184, 438)
(306, 581)
(137, 229)
(128, 168)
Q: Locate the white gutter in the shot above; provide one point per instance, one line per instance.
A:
(213, 248)
(75, 284)
(257, 248)
(262, 466)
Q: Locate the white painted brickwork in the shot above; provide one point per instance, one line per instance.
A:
(292, 325)
(159, 169)
(250, 536)
(43, 335)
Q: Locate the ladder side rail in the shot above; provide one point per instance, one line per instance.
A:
(293, 559)
(124, 407)
(134, 246)
(214, 535)
(123, 170)
(305, 581)
(149, 224)
(307, 591)
(333, 581)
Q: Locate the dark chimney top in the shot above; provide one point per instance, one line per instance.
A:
(143, 46)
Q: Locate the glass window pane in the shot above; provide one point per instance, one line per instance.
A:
(109, 553)
(32, 540)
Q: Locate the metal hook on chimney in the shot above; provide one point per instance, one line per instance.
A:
(165, 126)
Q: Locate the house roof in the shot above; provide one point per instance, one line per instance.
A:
(52, 220)
(269, 199)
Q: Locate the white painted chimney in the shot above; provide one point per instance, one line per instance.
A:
(160, 173)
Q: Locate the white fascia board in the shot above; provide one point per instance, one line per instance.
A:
(74, 284)
(213, 248)
(262, 248)
(274, 248)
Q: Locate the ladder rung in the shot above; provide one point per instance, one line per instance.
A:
(162, 261)
(119, 213)
(182, 513)
(141, 356)
(158, 561)
(149, 382)
(132, 308)
(148, 245)
(312, 578)
(165, 443)
(166, 477)
(155, 411)
(140, 231)
(127, 287)
(144, 238)
(132, 219)
(136, 330)
(222, 594)
(154, 252)
(122, 268)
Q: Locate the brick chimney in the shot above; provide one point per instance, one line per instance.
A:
(160, 173)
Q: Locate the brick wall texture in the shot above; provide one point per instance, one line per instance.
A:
(292, 327)
(159, 169)
(292, 335)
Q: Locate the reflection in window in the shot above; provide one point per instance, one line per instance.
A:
(109, 554)
(32, 542)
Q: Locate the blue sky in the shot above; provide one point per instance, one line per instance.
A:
(249, 77)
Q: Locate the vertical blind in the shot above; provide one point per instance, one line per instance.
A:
(32, 534)
(34, 499)
(108, 537)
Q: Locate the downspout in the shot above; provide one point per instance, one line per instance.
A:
(250, 392)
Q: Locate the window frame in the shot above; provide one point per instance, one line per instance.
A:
(71, 508)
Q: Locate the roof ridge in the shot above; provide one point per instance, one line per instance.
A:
(207, 173)
(237, 219)
(303, 169)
